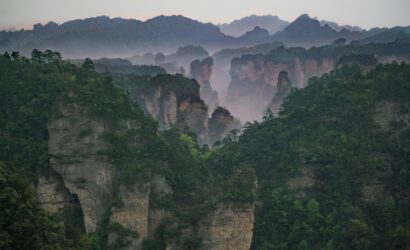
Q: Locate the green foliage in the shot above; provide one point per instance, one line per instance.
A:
(329, 128)
(123, 236)
(23, 225)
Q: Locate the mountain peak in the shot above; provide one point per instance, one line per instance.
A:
(239, 27)
(304, 17)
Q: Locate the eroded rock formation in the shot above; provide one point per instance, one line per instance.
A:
(229, 227)
(171, 100)
(220, 123)
(202, 72)
(248, 94)
(86, 181)
(283, 90)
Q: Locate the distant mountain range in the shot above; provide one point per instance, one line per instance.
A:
(103, 36)
(306, 32)
(338, 27)
(118, 37)
(239, 27)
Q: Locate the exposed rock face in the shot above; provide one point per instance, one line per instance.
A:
(85, 172)
(248, 93)
(77, 147)
(161, 106)
(50, 195)
(255, 78)
(229, 227)
(133, 213)
(220, 123)
(283, 90)
(202, 72)
(172, 100)
(194, 113)
(56, 199)
(159, 189)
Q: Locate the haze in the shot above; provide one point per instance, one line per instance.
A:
(365, 13)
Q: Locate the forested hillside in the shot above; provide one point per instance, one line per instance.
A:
(330, 172)
(333, 168)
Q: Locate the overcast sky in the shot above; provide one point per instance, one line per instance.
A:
(365, 13)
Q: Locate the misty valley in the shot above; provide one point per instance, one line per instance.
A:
(172, 133)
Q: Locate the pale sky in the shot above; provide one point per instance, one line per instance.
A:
(364, 13)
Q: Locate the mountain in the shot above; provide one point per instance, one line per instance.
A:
(389, 35)
(257, 35)
(239, 27)
(106, 37)
(338, 27)
(306, 31)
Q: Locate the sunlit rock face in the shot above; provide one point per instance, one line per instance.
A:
(202, 72)
(220, 123)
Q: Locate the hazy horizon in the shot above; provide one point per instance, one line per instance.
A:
(17, 14)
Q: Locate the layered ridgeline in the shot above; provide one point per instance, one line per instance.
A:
(255, 77)
(117, 37)
(333, 167)
(201, 70)
(176, 62)
(82, 167)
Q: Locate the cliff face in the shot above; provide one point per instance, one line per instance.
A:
(171, 100)
(202, 72)
(168, 110)
(255, 79)
(78, 154)
(283, 90)
(229, 227)
(55, 198)
(84, 180)
(248, 93)
(220, 123)
(75, 157)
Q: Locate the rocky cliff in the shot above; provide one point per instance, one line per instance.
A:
(229, 227)
(220, 123)
(202, 72)
(176, 101)
(171, 100)
(283, 90)
(86, 181)
(254, 78)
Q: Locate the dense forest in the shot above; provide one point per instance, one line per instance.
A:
(332, 169)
